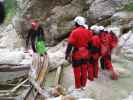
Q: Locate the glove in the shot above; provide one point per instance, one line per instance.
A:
(68, 58)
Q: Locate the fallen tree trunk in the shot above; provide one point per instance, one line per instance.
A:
(37, 82)
(7, 68)
(58, 76)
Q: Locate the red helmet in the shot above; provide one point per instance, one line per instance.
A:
(34, 24)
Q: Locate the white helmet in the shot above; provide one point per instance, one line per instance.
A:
(105, 29)
(101, 28)
(109, 30)
(81, 21)
(94, 27)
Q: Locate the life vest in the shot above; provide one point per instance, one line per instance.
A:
(79, 38)
(105, 43)
(40, 46)
(113, 40)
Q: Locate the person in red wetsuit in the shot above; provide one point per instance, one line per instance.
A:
(77, 50)
(94, 47)
(109, 41)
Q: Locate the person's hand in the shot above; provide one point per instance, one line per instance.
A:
(68, 58)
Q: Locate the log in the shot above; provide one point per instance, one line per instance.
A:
(18, 86)
(14, 68)
(38, 82)
(41, 76)
(8, 92)
(43, 71)
(58, 76)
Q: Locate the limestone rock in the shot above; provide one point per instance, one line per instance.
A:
(9, 38)
(122, 18)
(15, 57)
(100, 8)
(57, 55)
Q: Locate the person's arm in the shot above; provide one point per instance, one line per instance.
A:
(68, 50)
(41, 33)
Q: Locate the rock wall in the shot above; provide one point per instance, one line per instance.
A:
(56, 15)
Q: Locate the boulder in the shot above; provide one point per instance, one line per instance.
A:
(14, 57)
(55, 16)
(101, 9)
(122, 18)
(125, 45)
(130, 97)
(57, 55)
(122, 72)
(9, 38)
(115, 29)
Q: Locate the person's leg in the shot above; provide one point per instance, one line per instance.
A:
(96, 65)
(83, 75)
(33, 46)
(96, 68)
(91, 69)
(109, 67)
(102, 63)
(77, 75)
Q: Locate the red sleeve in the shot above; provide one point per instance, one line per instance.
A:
(72, 38)
(114, 41)
(96, 41)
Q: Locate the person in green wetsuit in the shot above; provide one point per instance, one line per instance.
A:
(37, 38)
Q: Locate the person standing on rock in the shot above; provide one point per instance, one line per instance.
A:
(2, 11)
(94, 47)
(36, 37)
(109, 41)
(77, 51)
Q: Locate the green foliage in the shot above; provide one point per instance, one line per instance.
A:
(128, 7)
(10, 6)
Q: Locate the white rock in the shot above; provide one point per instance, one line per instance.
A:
(122, 18)
(100, 8)
(122, 72)
(10, 38)
(126, 43)
(8, 56)
(130, 97)
(115, 29)
(57, 55)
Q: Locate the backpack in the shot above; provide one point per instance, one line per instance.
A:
(40, 46)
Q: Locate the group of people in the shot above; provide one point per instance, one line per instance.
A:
(86, 47)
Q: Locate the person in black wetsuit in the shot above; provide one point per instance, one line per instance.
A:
(2, 11)
(35, 32)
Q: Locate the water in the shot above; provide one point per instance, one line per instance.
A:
(102, 88)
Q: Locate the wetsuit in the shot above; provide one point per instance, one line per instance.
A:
(33, 35)
(78, 50)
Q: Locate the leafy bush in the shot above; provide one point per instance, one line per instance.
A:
(10, 6)
(128, 7)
